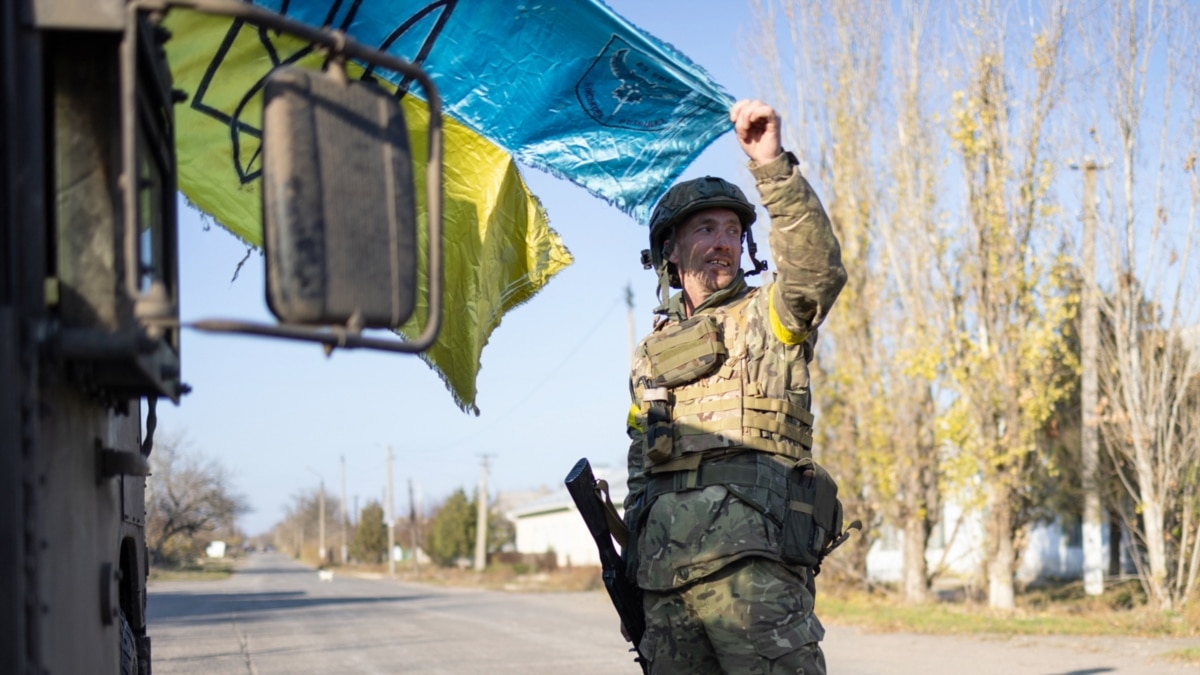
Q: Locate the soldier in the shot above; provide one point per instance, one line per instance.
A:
(722, 543)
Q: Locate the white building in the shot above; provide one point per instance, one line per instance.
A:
(956, 546)
(552, 523)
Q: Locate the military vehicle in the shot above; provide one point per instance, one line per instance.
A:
(89, 318)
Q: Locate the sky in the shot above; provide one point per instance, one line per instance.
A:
(282, 417)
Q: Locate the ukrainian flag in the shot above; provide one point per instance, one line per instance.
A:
(565, 86)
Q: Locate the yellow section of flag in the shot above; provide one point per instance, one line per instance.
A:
(499, 249)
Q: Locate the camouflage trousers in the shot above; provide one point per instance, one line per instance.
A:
(754, 616)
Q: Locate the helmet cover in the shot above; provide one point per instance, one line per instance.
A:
(685, 199)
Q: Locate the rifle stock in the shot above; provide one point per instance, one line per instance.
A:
(625, 595)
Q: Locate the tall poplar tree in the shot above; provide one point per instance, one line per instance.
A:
(1139, 120)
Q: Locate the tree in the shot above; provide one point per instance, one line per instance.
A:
(188, 498)
(502, 532)
(924, 370)
(1146, 245)
(299, 531)
(451, 534)
(1014, 303)
(830, 124)
(877, 378)
(919, 288)
(370, 536)
(949, 366)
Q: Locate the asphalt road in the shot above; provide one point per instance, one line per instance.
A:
(276, 616)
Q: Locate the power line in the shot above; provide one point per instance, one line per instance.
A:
(528, 395)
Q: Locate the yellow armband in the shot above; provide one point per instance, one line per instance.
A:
(781, 331)
(632, 422)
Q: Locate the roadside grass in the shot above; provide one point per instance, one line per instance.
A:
(1055, 608)
(193, 570)
(1052, 609)
(500, 577)
(1190, 655)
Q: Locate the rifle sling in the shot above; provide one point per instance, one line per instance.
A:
(615, 525)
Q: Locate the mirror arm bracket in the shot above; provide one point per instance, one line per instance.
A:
(333, 337)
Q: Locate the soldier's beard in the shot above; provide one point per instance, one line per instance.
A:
(699, 284)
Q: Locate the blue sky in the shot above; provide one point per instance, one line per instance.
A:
(552, 388)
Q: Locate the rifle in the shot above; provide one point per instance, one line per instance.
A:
(625, 595)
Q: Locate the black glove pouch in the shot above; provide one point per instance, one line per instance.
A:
(813, 517)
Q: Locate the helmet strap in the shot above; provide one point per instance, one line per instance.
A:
(752, 249)
(664, 288)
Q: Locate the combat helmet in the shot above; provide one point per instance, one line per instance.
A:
(680, 202)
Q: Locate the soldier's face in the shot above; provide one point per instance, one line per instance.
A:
(707, 252)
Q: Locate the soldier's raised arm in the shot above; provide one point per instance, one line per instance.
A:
(808, 259)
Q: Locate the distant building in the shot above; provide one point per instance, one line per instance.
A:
(552, 524)
(956, 545)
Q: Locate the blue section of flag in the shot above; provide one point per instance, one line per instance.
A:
(566, 86)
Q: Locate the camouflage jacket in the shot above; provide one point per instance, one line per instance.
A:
(767, 336)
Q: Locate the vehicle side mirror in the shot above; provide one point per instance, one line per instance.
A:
(339, 212)
(339, 199)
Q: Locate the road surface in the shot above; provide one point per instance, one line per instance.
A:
(276, 616)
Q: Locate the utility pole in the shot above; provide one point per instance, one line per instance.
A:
(414, 529)
(481, 520)
(391, 519)
(345, 542)
(321, 552)
(1093, 559)
(320, 517)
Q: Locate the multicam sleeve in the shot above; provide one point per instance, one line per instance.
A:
(636, 464)
(807, 256)
(636, 460)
